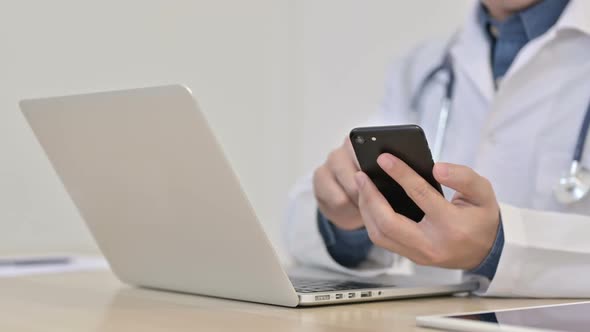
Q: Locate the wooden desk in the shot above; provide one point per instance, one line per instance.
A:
(97, 301)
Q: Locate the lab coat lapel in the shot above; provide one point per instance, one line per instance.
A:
(471, 56)
(527, 90)
(537, 64)
(576, 16)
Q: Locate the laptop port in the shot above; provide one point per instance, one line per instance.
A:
(338, 296)
(351, 295)
(322, 297)
(366, 294)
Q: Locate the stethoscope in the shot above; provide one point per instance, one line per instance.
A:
(572, 187)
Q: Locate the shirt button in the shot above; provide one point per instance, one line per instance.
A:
(494, 31)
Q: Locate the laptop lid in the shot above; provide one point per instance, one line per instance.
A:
(156, 191)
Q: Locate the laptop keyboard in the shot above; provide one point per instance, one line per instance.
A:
(315, 285)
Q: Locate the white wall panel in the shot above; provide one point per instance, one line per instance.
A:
(281, 82)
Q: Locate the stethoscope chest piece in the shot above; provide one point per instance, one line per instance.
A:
(574, 186)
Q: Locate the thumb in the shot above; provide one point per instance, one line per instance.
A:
(475, 188)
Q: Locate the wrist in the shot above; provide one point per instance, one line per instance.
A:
(489, 265)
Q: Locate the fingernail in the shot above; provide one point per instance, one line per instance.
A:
(360, 179)
(442, 170)
(386, 161)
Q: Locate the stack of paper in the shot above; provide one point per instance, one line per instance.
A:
(20, 266)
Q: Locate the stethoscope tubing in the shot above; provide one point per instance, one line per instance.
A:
(582, 137)
(445, 66)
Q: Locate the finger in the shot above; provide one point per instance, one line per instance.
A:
(343, 170)
(474, 188)
(386, 228)
(351, 154)
(381, 240)
(328, 192)
(418, 189)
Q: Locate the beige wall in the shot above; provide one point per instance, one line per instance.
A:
(348, 45)
(269, 75)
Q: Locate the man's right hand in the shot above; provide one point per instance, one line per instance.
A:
(336, 190)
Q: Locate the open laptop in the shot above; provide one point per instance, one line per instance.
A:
(165, 207)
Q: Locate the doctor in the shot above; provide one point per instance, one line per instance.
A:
(516, 80)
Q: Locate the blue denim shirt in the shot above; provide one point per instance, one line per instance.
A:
(507, 38)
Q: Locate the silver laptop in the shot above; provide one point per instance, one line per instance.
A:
(165, 207)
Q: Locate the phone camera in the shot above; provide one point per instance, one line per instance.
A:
(359, 139)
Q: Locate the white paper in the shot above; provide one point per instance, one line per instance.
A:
(75, 263)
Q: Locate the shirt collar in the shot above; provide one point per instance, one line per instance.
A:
(470, 48)
(529, 23)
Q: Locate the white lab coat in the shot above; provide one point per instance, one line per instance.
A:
(520, 136)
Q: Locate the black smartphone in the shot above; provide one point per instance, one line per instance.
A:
(406, 142)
